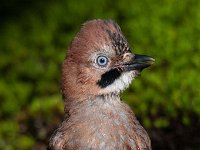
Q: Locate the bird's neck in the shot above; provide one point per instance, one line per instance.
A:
(96, 103)
(104, 108)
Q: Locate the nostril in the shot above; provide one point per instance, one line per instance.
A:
(128, 57)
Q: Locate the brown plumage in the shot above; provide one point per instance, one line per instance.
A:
(99, 65)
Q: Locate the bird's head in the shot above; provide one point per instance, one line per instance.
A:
(100, 62)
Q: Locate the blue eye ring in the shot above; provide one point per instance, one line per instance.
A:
(102, 61)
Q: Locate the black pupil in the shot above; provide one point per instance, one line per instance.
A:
(102, 60)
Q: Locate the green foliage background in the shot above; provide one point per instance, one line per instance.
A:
(33, 42)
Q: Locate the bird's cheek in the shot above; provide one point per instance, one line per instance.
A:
(87, 82)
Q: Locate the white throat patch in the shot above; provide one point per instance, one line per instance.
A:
(120, 84)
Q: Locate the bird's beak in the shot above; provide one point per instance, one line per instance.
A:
(138, 62)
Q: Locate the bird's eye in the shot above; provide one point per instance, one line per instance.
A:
(102, 61)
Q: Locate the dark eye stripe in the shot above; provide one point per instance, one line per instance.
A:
(108, 78)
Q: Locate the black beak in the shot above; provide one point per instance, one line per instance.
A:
(138, 62)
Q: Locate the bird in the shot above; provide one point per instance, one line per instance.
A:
(99, 66)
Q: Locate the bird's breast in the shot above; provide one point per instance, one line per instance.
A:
(104, 126)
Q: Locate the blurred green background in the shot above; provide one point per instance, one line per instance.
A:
(34, 36)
